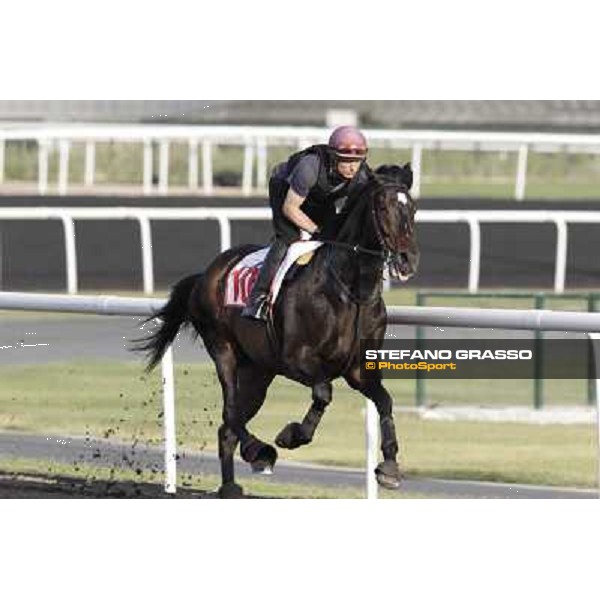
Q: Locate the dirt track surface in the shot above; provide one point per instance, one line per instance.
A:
(15, 485)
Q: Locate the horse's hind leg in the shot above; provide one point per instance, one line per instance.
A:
(244, 391)
(226, 363)
(294, 435)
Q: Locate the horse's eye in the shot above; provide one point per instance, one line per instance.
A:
(402, 198)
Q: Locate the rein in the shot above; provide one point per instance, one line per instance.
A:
(356, 248)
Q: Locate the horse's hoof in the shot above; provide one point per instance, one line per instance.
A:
(388, 475)
(230, 491)
(292, 436)
(264, 460)
(260, 455)
(262, 467)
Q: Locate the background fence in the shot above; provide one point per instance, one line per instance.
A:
(224, 216)
(256, 142)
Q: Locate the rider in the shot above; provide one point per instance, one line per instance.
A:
(304, 193)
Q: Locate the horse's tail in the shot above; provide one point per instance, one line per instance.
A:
(173, 315)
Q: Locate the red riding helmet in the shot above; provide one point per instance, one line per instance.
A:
(349, 143)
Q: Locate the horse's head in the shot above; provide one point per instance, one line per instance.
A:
(380, 219)
(393, 210)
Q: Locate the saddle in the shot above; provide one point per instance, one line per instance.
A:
(242, 277)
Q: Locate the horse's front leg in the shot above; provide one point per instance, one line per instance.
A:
(294, 435)
(387, 472)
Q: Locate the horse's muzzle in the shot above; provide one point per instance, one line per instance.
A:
(399, 267)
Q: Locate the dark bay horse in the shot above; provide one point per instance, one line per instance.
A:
(315, 327)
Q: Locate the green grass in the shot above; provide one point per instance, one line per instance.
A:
(479, 187)
(501, 298)
(109, 400)
(406, 296)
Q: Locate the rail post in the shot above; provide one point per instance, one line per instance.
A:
(372, 443)
(538, 365)
(420, 337)
(225, 231)
(64, 147)
(163, 167)
(147, 262)
(417, 159)
(207, 171)
(592, 391)
(560, 269)
(248, 168)
(168, 388)
(148, 159)
(90, 163)
(595, 342)
(475, 254)
(2, 149)
(70, 253)
(521, 172)
(43, 166)
(193, 164)
(261, 163)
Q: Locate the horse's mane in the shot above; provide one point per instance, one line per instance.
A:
(350, 222)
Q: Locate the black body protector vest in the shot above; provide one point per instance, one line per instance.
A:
(328, 196)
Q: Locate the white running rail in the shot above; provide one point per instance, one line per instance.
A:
(545, 320)
(256, 140)
(473, 218)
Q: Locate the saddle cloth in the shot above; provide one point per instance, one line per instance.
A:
(243, 275)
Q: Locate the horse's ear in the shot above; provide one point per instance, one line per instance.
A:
(407, 175)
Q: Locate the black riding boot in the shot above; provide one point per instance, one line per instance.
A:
(256, 307)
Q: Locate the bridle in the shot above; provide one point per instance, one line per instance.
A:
(392, 260)
(386, 254)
